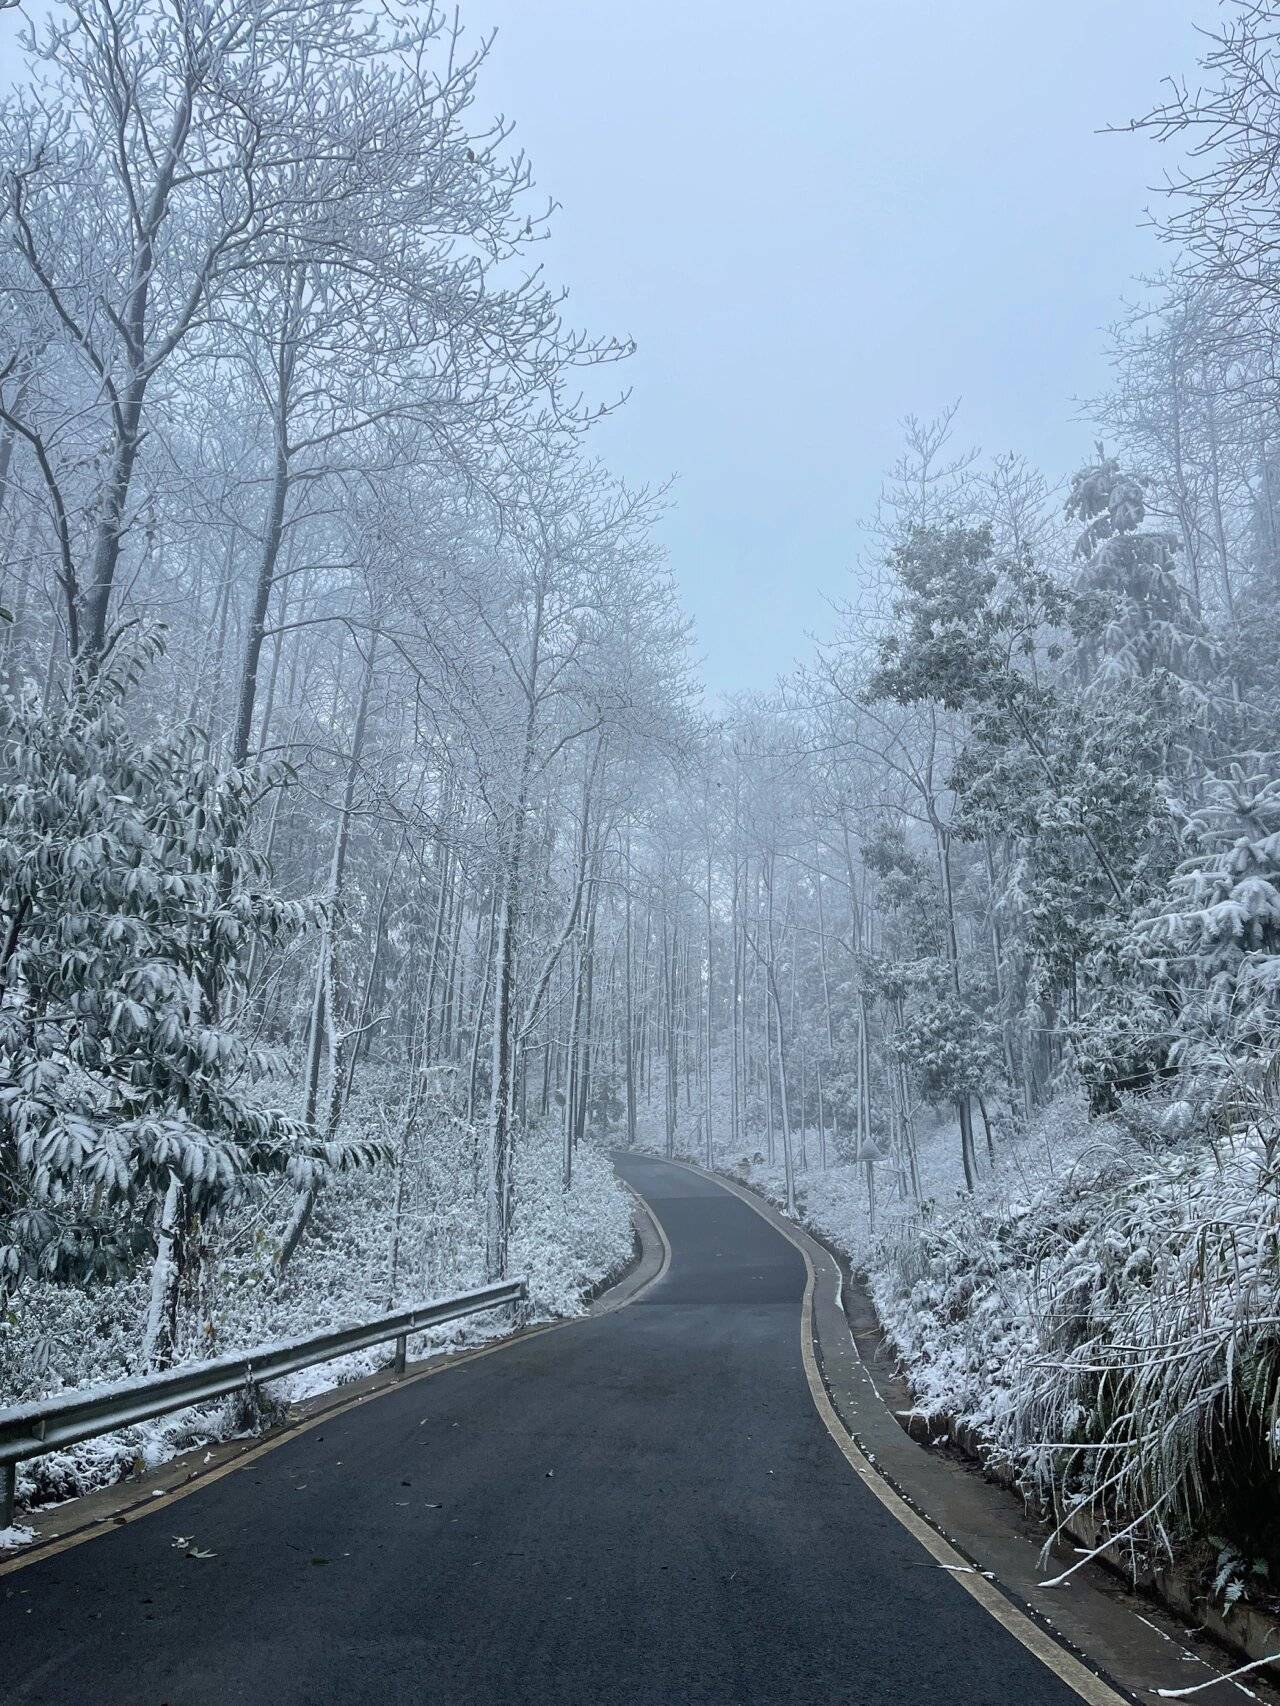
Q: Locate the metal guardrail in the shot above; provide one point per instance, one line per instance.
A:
(30, 1430)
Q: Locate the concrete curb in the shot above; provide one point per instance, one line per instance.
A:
(1244, 1629)
(647, 1262)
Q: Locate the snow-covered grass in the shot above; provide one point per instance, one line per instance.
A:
(1104, 1310)
(1154, 1389)
(54, 1338)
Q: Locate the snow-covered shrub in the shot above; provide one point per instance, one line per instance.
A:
(253, 1409)
(1154, 1392)
(57, 1335)
(1212, 942)
(1105, 1309)
(564, 1242)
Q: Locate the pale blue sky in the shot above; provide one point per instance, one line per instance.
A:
(816, 218)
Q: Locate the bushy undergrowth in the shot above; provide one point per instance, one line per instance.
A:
(958, 1282)
(1153, 1393)
(350, 1266)
(565, 1244)
(1106, 1311)
(1115, 1332)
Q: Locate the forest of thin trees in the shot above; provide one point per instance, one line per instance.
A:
(354, 761)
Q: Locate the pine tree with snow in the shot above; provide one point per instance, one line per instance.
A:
(1144, 623)
(1214, 939)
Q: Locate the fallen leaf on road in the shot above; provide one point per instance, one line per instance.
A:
(185, 1544)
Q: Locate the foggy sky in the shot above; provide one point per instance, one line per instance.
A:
(815, 219)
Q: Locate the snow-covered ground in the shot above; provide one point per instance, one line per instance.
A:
(55, 1337)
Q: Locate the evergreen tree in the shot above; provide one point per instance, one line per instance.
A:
(129, 900)
(1141, 621)
(1212, 942)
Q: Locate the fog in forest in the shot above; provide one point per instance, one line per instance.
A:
(698, 584)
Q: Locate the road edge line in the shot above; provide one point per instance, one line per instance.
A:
(1037, 1640)
(608, 1305)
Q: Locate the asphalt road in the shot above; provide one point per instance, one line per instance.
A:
(640, 1507)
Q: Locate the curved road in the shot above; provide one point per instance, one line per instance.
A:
(640, 1507)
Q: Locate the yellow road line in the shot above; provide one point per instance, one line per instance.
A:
(1024, 1629)
(660, 1229)
(134, 1513)
(1064, 1665)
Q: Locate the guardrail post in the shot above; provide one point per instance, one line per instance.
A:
(402, 1352)
(8, 1493)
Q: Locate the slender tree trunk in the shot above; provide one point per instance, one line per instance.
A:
(629, 1017)
(710, 988)
(161, 1338)
(324, 998)
(787, 1166)
(242, 733)
(482, 1002)
(963, 1110)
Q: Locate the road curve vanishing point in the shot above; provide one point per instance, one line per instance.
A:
(647, 1507)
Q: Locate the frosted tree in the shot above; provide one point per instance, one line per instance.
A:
(127, 904)
(1181, 409)
(1212, 942)
(1142, 623)
(147, 161)
(963, 645)
(1221, 212)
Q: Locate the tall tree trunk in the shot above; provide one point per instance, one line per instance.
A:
(787, 1166)
(324, 998)
(628, 1006)
(710, 989)
(498, 1197)
(482, 1003)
